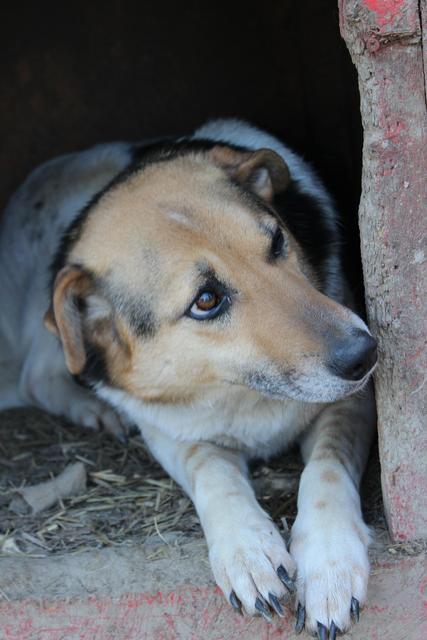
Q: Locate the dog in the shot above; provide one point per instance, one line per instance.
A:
(194, 287)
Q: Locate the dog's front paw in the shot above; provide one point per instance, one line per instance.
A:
(253, 568)
(333, 570)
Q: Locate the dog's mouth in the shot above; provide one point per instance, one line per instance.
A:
(343, 369)
(291, 384)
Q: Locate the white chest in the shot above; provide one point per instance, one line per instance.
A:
(242, 419)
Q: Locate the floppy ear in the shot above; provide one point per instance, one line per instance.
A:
(75, 309)
(264, 172)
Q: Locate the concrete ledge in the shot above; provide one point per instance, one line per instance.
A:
(127, 594)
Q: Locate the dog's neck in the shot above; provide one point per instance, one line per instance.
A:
(237, 417)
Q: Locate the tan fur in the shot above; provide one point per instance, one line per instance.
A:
(329, 476)
(264, 170)
(69, 285)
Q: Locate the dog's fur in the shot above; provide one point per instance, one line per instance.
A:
(112, 246)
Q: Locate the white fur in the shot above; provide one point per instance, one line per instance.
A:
(328, 580)
(245, 547)
(239, 419)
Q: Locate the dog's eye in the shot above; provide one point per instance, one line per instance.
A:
(277, 244)
(207, 301)
(208, 304)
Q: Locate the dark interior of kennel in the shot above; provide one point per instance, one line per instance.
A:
(76, 74)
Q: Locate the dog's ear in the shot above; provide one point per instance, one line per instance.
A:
(264, 172)
(77, 310)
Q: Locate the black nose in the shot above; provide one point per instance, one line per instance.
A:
(353, 356)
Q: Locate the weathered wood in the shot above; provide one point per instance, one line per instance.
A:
(385, 41)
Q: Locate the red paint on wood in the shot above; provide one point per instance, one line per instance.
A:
(386, 11)
(396, 608)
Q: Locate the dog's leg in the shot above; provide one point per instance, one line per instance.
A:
(247, 553)
(329, 539)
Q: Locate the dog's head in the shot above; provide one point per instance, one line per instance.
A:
(181, 279)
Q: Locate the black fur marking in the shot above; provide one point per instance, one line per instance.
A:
(38, 205)
(137, 311)
(140, 317)
(70, 237)
(210, 280)
(314, 230)
(95, 369)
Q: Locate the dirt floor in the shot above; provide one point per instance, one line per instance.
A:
(128, 498)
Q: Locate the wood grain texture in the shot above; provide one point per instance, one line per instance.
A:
(384, 38)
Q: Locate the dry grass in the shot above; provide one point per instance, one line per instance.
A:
(129, 497)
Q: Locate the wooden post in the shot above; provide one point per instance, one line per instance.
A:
(384, 38)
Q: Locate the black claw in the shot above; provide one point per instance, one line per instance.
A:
(322, 632)
(333, 631)
(287, 581)
(274, 602)
(235, 603)
(299, 624)
(263, 608)
(355, 609)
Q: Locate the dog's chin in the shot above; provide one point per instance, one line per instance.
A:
(324, 389)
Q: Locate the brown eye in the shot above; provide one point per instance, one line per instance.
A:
(207, 301)
(207, 305)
